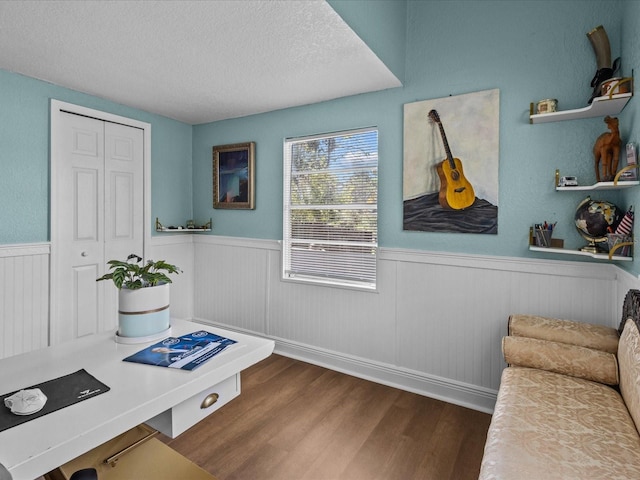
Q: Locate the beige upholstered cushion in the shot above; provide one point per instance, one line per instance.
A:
(629, 360)
(564, 331)
(548, 426)
(580, 362)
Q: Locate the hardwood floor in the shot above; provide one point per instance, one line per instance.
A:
(296, 421)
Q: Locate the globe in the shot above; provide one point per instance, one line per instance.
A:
(594, 219)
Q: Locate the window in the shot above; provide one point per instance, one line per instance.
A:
(331, 208)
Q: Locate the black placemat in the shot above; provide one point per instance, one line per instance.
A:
(61, 392)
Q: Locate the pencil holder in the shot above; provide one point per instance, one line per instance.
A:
(543, 237)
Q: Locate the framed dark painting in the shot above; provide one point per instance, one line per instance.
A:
(233, 176)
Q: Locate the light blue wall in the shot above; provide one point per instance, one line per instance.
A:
(530, 50)
(24, 157)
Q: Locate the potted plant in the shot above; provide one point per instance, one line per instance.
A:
(143, 297)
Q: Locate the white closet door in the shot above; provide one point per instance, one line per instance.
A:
(97, 192)
(79, 242)
(124, 201)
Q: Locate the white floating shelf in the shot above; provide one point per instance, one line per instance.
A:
(600, 106)
(601, 186)
(565, 251)
(181, 229)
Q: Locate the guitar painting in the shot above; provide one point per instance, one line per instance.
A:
(436, 196)
(456, 193)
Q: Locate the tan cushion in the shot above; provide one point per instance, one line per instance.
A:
(629, 360)
(587, 335)
(580, 362)
(555, 427)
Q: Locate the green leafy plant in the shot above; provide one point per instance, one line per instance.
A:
(134, 275)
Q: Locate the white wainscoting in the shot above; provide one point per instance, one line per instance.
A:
(24, 290)
(433, 327)
(177, 249)
(24, 298)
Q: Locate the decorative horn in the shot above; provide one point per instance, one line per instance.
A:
(600, 43)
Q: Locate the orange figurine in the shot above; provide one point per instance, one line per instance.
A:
(607, 150)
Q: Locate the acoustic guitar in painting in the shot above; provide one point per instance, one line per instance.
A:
(456, 192)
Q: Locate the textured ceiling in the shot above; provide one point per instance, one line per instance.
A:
(193, 61)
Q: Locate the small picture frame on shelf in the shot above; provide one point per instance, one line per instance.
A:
(233, 176)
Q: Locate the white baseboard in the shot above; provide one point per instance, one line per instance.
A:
(464, 395)
(457, 393)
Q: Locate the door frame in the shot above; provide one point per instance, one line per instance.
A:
(57, 108)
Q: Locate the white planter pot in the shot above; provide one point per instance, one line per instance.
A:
(143, 312)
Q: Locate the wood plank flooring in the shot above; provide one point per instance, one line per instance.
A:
(297, 421)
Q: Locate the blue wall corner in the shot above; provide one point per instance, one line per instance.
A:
(382, 26)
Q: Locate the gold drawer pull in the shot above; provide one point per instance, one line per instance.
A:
(209, 400)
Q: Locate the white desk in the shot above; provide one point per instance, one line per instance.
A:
(138, 393)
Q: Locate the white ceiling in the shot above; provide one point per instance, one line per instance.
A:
(193, 61)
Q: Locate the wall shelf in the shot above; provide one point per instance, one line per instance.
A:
(600, 107)
(610, 104)
(566, 251)
(600, 186)
(616, 184)
(183, 229)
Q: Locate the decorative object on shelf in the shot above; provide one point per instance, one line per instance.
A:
(535, 243)
(625, 227)
(190, 227)
(605, 69)
(143, 298)
(632, 163)
(619, 244)
(568, 181)
(616, 86)
(233, 176)
(543, 233)
(594, 219)
(621, 241)
(547, 105)
(606, 150)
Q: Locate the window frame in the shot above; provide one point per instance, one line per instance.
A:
(370, 284)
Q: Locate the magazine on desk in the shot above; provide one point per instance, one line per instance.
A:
(186, 352)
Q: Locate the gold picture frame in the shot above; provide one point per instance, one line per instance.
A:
(233, 176)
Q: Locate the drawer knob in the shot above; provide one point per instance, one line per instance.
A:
(209, 400)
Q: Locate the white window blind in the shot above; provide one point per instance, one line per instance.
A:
(331, 208)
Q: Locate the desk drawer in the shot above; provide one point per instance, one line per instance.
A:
(186, 414)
